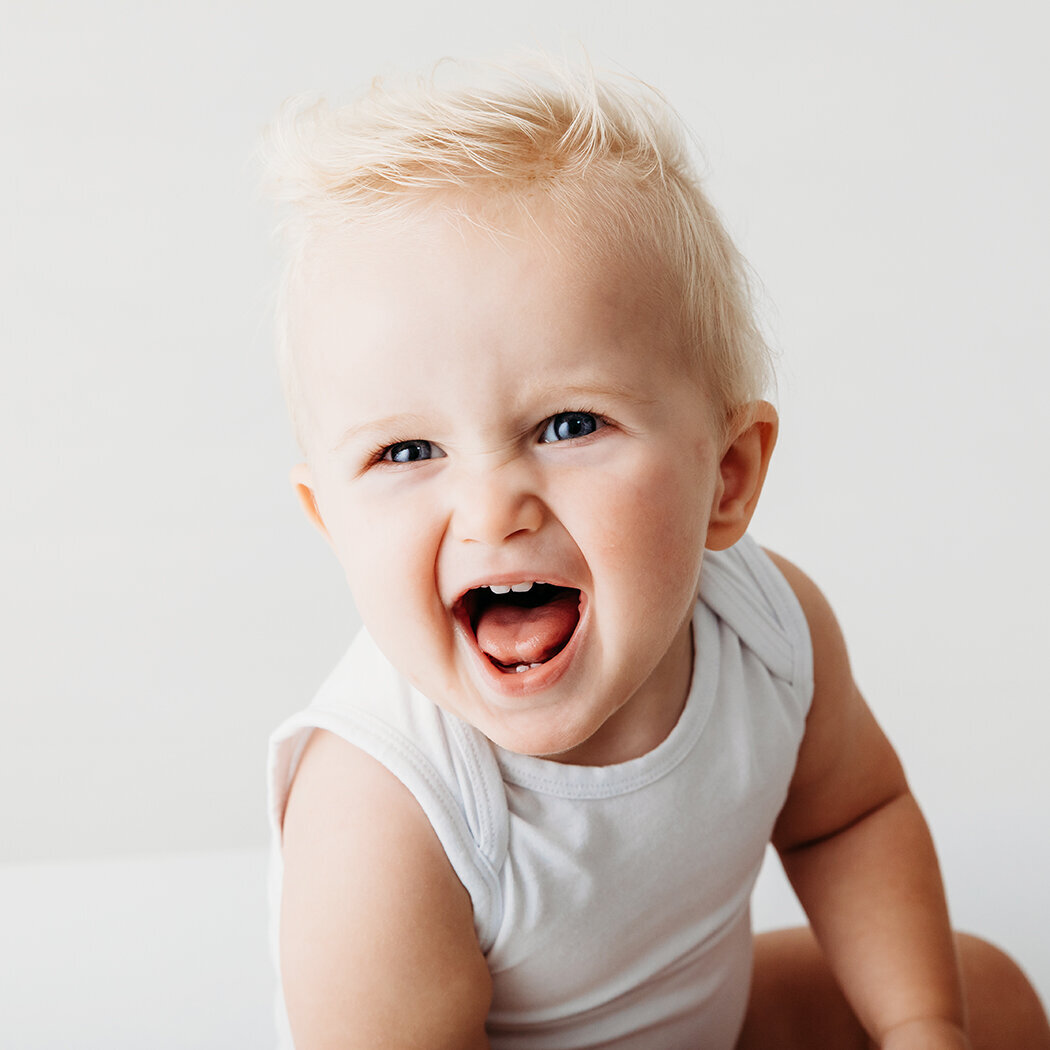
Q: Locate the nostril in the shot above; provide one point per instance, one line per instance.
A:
(493, 518)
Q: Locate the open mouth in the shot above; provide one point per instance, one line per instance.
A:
(522, 627)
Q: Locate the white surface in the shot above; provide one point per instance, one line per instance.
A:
(884, 167)
(169, 952)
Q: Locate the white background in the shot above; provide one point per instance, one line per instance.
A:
(884, 168)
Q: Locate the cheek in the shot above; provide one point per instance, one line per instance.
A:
(648, 526)
(388, 559)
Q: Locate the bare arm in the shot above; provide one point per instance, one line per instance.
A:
(378, 948)
(859, 855)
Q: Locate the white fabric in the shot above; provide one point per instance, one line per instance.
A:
(612, 903)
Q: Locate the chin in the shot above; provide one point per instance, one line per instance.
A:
(542, 734)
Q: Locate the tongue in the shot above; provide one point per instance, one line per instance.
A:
(514, 634)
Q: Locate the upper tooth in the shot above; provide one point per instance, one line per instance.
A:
(503, 588)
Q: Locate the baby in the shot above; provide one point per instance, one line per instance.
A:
(528, 807)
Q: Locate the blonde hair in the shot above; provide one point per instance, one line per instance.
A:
(610, 156)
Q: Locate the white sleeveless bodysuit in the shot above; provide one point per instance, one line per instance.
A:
(612, 903)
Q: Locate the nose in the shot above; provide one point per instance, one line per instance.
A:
(494, 503)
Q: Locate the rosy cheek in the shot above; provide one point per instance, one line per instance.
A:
(662, 528)
(389, 560)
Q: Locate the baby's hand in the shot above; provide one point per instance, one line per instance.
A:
(926, 1035)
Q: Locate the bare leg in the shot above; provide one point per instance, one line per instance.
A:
(796, 1005)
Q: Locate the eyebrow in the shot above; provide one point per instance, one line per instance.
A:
(615, 391)
(403, 423)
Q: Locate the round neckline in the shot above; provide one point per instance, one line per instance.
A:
(565, 780)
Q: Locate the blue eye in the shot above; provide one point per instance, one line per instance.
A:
(411, 452)
(568, 425)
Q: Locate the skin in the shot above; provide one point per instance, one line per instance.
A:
(461, 353)
(471, 346)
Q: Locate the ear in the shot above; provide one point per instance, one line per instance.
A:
(302, 480)
(742, 470)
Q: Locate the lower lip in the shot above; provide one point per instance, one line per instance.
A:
(512, 685)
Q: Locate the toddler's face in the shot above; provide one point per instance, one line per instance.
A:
(516, 472)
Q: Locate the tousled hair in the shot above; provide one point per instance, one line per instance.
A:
(608, 155)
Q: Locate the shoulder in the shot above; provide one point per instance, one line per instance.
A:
(846, 766)
(447, 766)
(377, 936)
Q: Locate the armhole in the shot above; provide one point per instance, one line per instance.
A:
(475, 860)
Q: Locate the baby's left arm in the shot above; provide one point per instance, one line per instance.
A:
(859, 855)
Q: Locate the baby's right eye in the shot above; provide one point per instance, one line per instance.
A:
(410, 452)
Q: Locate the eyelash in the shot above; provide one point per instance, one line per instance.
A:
(383, 453)
(549, 423)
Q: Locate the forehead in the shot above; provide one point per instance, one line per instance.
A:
(472, 242)
(472, 306)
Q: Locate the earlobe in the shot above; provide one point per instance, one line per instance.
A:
(301, 478)
(742, 472)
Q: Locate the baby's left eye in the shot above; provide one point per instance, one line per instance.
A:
(568, 425)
